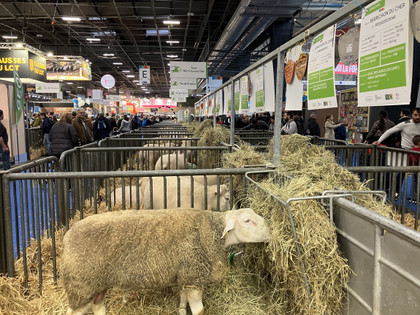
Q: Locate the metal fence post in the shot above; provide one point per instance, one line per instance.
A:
(3, 264)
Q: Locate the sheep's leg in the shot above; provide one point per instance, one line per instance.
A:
(98, 306)
(80, 311)
(183, 303)
(194, 297)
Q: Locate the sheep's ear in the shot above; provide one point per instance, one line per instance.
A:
(230, 225)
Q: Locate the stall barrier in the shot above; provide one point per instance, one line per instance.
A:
(45, 214)
(382, 253)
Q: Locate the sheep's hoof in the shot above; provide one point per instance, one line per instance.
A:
(182, 311)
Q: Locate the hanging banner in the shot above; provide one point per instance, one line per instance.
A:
(213, 83)
(294, 90)
(97, 95)
(321, 89)
(227, 92)
(258, 86)
(237, 95)
(182, 69)
(178, 95)
(219, 107)
(144, 74)
(269, 90)
(385, 54)
(244, 108)
(184, 84)
(18, 96)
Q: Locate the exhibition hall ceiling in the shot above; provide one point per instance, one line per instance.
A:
(119, 36)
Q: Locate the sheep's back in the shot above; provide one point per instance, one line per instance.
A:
(145, 249)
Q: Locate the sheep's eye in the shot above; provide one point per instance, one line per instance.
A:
(247, 220)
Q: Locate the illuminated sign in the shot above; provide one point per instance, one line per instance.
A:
(69, 70)
(27, 64)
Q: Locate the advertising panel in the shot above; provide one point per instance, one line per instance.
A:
(385, 54)
(69, 70)
(47, 88)
(213, 83)
(27, 65)
(244, 108)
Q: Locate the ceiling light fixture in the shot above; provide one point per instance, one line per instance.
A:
(171, 22)
(9, 37)
(147, 92)
(108, 55)
(172, 56)
(172, 41)
(50, 54)
(71, 19)
(131, 76)
(126, 71)
(117, 63)
(19, 45)
(93, 39)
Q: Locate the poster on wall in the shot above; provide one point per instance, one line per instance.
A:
(244, 108)
(385, 54)
(294, 90)
(321, 88)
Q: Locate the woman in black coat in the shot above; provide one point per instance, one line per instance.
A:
(63, 136)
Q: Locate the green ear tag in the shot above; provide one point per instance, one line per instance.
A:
(231, 256)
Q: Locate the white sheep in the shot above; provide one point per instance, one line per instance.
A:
(174, 161)
(185, 194)
(152, 250)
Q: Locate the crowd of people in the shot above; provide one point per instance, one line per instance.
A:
(77, 128)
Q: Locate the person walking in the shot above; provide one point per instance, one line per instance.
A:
(378, 129)
(63, 136)
(46, 127)
(125, 124)
(408, 129)
(330, 126)
(4, 149)
(101, 128)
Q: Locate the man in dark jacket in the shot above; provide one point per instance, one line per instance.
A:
(4, 149)
(101, 128)
(313, 126)
(112, 121)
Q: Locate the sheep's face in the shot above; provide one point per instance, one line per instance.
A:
(245, 226)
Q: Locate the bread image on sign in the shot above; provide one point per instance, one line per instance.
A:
(289, 71)
(301, 65)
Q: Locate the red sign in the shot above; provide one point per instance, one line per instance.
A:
(349, 70)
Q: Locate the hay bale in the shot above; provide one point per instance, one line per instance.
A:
(326, 269)
(247, 156)
(191, 126)
(206, 124)
(212, 137)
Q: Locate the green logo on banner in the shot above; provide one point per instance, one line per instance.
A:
(18, 96)
(377, 7)
(176, 69)
(319, 38)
